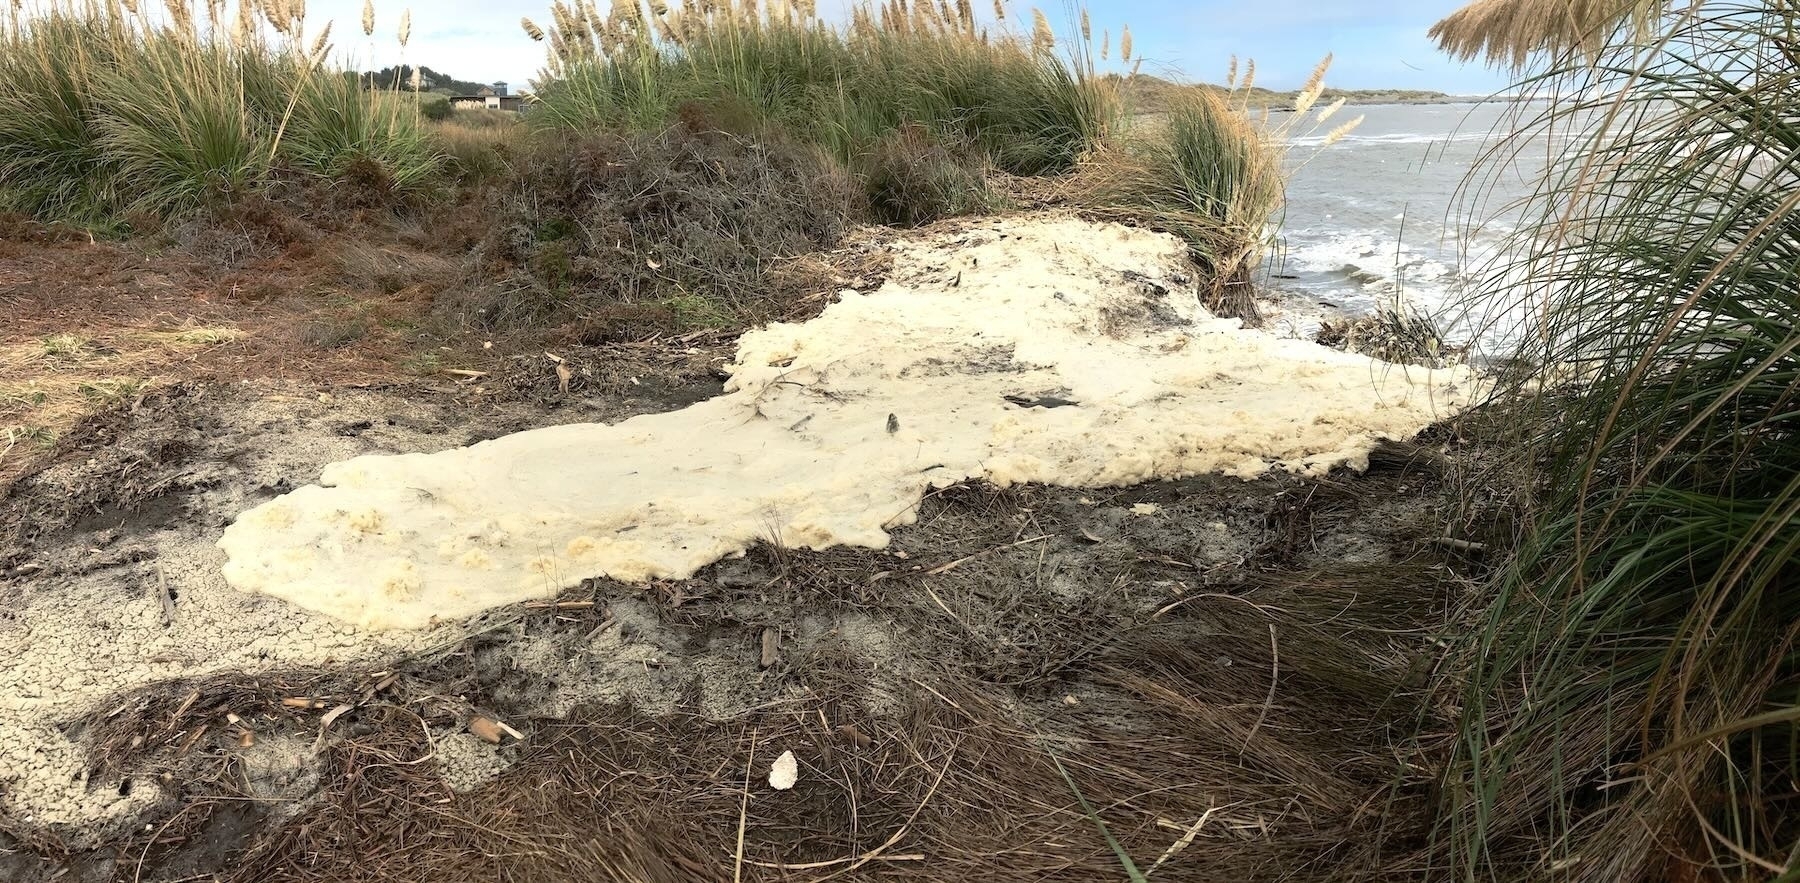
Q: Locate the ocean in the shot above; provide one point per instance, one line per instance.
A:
(1390, 216)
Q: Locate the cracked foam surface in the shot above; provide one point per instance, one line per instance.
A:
(831, 430)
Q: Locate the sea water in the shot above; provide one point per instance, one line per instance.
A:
(1415, 210)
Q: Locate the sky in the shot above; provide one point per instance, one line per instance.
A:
(1377, 45)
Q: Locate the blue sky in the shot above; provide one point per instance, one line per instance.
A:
(1377, 45)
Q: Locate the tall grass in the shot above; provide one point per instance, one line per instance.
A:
(1027, 108)
(106, 110)
(1215, 176)
(1632, 707)
(915, 98)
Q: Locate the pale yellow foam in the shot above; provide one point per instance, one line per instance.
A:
(801, 448)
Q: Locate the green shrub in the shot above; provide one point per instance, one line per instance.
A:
(683, 222)
(436, 108)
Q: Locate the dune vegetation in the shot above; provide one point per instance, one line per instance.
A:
(112, 118)
(106, 112)
(1632, 702)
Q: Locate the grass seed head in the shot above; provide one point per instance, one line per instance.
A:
(531, 29)
(368, 18)
(1337, 134)
(1315, 86)
(321, 45)
(1042, 38)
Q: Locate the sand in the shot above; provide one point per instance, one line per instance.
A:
(1040, 349)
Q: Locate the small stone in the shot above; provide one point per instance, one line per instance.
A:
(784, 772)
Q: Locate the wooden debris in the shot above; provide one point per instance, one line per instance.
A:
(602, 627)
(486, 729)
(304, 702)
(332, 716)
(1461, 545)
(186, 704)
(946, 568)
(326, 722)
(771, 648)
(168, 600)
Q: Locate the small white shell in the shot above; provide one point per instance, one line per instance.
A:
(785, 772)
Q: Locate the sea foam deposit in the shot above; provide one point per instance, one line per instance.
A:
(1040, 349)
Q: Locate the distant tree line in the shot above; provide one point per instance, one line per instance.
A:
(401, 77)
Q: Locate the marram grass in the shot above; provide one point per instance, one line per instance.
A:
(106, 110)
(843, 86)
(1631, 707)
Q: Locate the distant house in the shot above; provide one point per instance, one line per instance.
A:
(494, 97)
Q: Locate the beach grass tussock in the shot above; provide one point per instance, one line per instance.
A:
(105, 110)
(1631, 700)
(1215, 176)
(843, 87)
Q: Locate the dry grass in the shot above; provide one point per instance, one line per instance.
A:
(1511, 32)
(1266, 726)
(53, 382)
(1199, 749)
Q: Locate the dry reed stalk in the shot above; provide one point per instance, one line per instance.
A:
(1509, 32)
(1337, 134)
(1315, 86)
(321, 45)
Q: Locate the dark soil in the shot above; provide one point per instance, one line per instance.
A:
(1246, 663)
